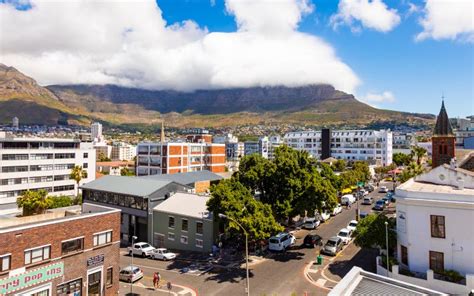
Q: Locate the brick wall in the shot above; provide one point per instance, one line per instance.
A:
(443, 150)
(15, 242)
(202, 186)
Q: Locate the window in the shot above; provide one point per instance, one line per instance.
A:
(102, 238)
(73, 245)
(5, 262)
(199, 228)
(437, 226)
(184, 239)
(171, 236)
(436, 261)
(86, 155)
(404, 254)
(37, 255)
(85, 165)
(184, 225)
(171, 222)
(109, 278)
(199, 243)
(70, 288)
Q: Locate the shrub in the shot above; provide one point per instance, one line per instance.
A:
(60, 201)
(452, 275)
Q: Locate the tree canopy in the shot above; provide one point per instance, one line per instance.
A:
(370, 232)
(34, 202)
(402, 158)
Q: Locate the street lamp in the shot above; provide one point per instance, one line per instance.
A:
(386, 243)
(131, 266)
(246, 249)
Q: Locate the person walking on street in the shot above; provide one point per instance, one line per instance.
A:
(156, 280)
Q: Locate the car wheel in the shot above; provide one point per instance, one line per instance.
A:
(130, 253)
(143, 255)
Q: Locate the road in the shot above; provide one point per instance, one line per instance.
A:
(281, 274)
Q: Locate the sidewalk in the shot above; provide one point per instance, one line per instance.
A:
(141, 288)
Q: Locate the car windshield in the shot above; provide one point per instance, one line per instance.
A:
(136, 270)
(380, 202)
(342, 234)
(274, 241)
(352, 224)
(331, 243)
(145, 246)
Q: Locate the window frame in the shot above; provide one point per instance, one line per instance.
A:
(2, 257)
(31, 258)
(174, 222)
(404, 254)
(109, 281)
(74, 251)
(432, 254)
(201, 245)
(202, 228)
(96, 244)
(171, 236)
(182, 225)
(185, 238)
(435, 226)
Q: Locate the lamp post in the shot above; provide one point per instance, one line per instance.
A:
(386, 243)
(131, 265)
(246, 249)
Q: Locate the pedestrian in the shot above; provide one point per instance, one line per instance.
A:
(156, 280)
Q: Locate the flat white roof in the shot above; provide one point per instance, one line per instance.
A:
(185, 204)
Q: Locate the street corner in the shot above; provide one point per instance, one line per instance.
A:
(164, 289)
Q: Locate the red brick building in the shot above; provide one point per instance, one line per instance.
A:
(67, 251)
(443, 140)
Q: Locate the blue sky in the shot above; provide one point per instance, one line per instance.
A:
(400, 55)
(416, 72)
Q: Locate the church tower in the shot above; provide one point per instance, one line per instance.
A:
(443, 140)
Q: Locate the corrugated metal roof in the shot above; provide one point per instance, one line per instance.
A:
(185, 204)
(368, 286)
(186, 178)
(127, 185)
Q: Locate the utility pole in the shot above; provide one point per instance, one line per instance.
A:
(386, 243)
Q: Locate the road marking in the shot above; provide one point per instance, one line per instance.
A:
(321, 282)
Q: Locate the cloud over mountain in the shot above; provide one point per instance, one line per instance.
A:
(130, 44)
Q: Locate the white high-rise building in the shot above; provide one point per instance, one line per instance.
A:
(96, 132)
(41, 163)
(15, 122)
(123, 151)
(368, 145)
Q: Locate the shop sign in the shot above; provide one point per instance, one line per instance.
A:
(95, 261)
(31, 278)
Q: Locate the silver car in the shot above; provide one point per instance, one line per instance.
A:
(333, 246)
(130, 274)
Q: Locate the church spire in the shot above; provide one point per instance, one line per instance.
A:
(443, 126)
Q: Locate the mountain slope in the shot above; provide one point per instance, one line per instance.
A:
(21, 96)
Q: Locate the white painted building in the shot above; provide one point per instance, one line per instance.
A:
(123, 151)
(41, 163)
(261, 147)
(96, 132)
(435, 217)
(368, 145)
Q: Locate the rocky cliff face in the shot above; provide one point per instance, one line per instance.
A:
(14, 83)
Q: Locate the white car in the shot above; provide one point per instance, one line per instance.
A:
(364, 192)
(311, 223)
(337, 210)
(352, 225)
(345, 235)
(324, 216)
(162, 254)
(130, 274)
(383, 189)
(281, 241)
(141, 249)
(348, 199)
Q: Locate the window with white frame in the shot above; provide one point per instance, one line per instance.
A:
(171, 236)
(184, 239)
(184, 225)
(102, 238)
(199, 243)
(37, 254)
(170, 222)
(199, 228)
(5, 262)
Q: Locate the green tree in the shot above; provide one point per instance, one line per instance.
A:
(410, 171)
(103, 158)
(77, 174)
(370, 232)
(60, 202)
(231, 198)
(362, 170)
(34, 202)
(255, 172)
(402, 158)
(126, 172)
(339, 165)
(419, 153)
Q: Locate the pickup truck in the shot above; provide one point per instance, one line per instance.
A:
(141, 249)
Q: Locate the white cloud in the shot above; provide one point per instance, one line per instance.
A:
(370, 14)
(376, 98)
(448, 20)
(129, 43)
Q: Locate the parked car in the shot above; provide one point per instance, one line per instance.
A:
(383, 189)
(141, 249)
(367, 200)
(362, 215)
(311, 223)
(379, 205)
(281, 241)
(369, 187)
(352, 225)
(162, 254)
(364, 192)
(332, 246)
(347, 199)
(386, 200)
(312, 240)
(130, 274)
(324, 216)
(345, 235)
(337, 209)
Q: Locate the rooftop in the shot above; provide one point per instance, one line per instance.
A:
(186, 178)
(12, 222)
(361, 282)
(186, 204)
(127, 185)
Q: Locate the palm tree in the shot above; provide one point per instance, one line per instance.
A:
(77, 173)
(419, 152)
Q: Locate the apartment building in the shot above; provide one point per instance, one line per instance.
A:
(96, 132)
(179, 157)
(367, 145)
(66, 251)
(41, 163)
(123, 151)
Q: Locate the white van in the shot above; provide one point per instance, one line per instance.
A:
(281, 241)
(348, 199)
